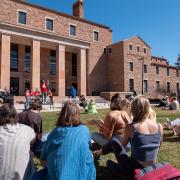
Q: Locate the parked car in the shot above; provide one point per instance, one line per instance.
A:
(6, 97)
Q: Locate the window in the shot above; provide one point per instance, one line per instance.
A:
(168, 87)
(131, 84)
(14, 58)
(167, 71)
(137, 49)
(145, 68)
(27, 59)
(27, 85)
(72, 30)
(157, 69)
(131, 66)
(177, 87)
(49, 24)
(145, 86)
(52, 62)
(130, 47)
(157, 84)
(52, 86)
(109, 50)
(22, 17)
(145, 50)
(96, 36)
(74, 64)
(177, 73)
(105, 50)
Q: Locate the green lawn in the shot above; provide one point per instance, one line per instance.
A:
(169, 151)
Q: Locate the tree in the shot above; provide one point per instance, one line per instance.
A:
(178, 61)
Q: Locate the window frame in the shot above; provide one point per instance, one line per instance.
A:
(52, 73)
(95, 31)
(70, 25)
(168, 87)
(138, 48)
(129, 84)
(168, 72)
(157, 69)
(145, 68)
(130, 49)
(131, 68)
(18, 16)
(145, 85)
(51, 19)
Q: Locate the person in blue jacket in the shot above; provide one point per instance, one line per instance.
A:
(73, 92)
(66, 153)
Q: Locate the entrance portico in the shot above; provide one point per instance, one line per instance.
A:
(37, 49)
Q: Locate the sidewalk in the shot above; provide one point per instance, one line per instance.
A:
(58, 106)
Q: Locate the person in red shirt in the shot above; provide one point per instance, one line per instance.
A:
(44, 90)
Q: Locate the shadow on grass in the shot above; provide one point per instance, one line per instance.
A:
(170, 138)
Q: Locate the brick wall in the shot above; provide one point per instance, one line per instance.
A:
(36, 20)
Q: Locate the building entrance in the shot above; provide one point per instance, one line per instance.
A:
(14, 86)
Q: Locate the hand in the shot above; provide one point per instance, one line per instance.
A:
(124, 119)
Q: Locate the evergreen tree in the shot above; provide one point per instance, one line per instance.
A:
(178, 61)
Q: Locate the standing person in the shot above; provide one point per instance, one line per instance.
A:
(50, 95)
(66, 153)
(73, 92)
(144, 135)
(27, 100)
(33, 119)
(44, 91)
(15, 159)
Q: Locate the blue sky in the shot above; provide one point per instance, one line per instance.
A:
(155, 21)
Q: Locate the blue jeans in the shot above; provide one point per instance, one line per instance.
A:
(40, 175)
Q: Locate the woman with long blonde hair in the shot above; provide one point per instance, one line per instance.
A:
(144, 135)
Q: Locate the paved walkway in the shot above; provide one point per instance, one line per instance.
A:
(58, 106)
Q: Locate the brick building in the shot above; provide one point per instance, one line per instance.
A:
(138, 70)
(37, 43)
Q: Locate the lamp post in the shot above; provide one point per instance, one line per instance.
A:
(142, 90)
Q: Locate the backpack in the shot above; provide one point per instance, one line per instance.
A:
(158, 171)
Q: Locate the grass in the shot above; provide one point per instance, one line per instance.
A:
(169, 150)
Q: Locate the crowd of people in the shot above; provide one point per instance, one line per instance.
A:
(45, 95)
(67, 151)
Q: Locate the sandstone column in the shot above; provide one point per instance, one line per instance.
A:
(35, 80)
(82, 72)
(5, 62)
(60, 64)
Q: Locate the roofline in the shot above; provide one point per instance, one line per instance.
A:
(118, 42)
(156, 57)
(62, 14)
(165, 66)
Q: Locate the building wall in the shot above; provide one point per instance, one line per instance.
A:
(151, 76)
(36, 20)
(116, 68)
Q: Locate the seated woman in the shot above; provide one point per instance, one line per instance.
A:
(145, 136)
(113, 125)
(15, 159)
(66, 153)
(91, 107)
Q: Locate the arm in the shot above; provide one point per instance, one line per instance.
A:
(108, 126)
(126, 137)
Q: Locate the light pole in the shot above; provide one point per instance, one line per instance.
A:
(142, 90)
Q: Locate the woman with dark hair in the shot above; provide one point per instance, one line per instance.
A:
(15, 159)
(144, 135)
(66, 153)
(113, 125)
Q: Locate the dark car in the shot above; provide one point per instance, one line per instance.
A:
(6, 97)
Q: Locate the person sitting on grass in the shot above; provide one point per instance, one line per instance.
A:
(174, 104)
(33, 119)
(113, 125)
(144, 135)
(83, 102)
(15, 139)
(66, 153)
(174, 125)
(91, 107)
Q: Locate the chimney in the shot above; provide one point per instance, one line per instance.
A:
(78, 9)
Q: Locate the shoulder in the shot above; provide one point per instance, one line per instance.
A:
(129, 129)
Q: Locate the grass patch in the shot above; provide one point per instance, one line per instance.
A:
(169, 150)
